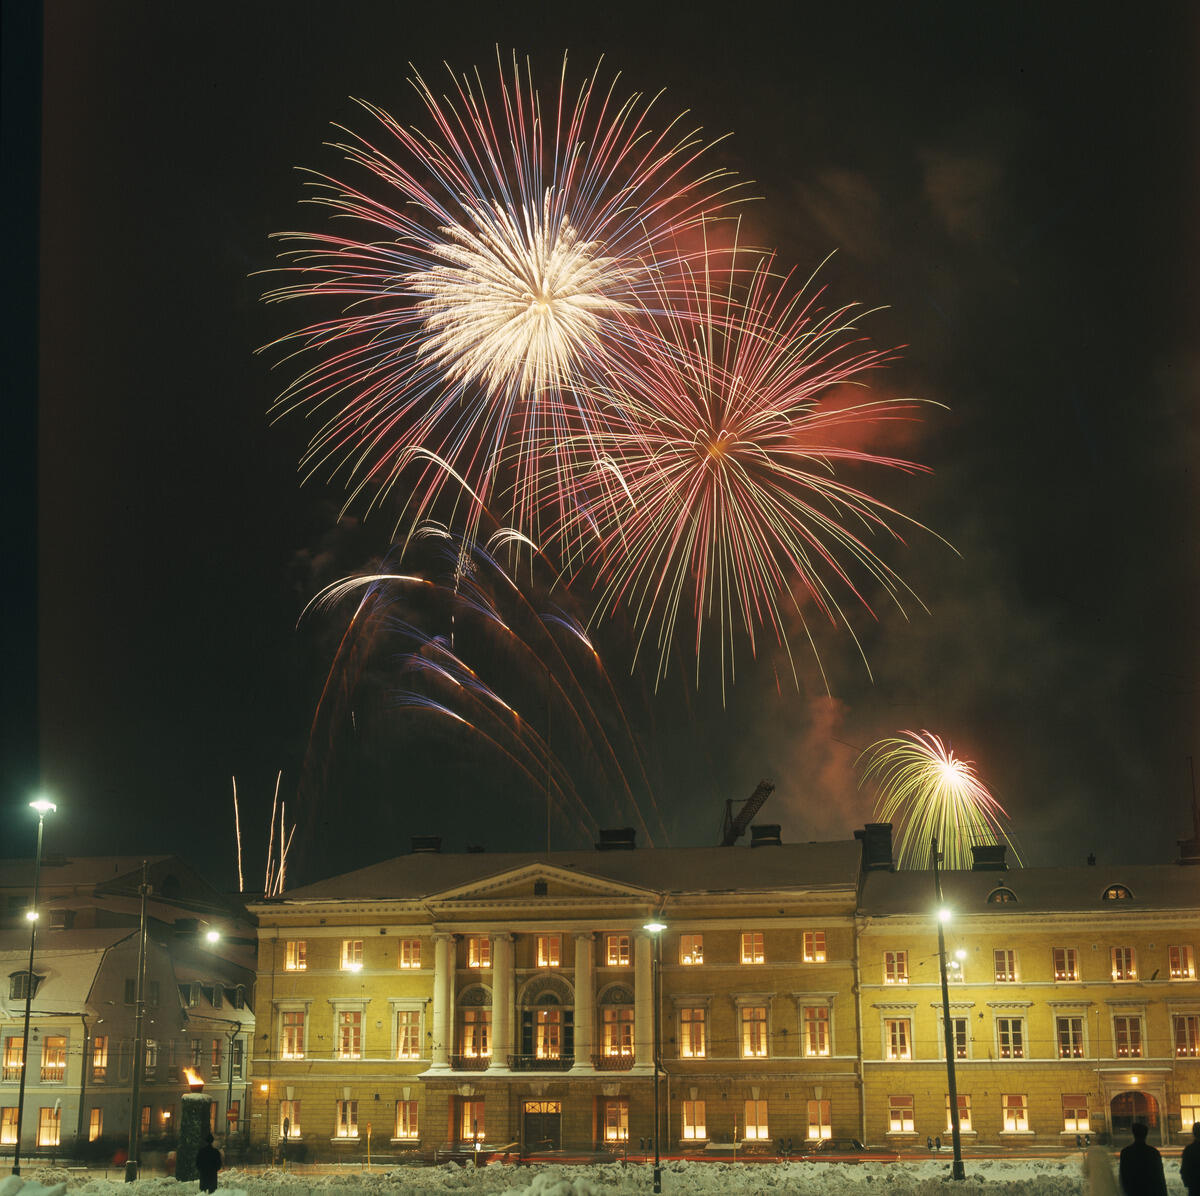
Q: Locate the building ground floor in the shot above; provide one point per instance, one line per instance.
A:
(542, 1112)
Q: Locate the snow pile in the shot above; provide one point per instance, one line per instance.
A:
(985, 1177)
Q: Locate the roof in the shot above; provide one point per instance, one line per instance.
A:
(74, 870)
(666, 870)
(1037, 890)
(67, 959)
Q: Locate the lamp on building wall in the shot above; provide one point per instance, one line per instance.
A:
(43, 807)
(656, 928)
(943, 916)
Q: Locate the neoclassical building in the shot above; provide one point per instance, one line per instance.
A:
(508, 998)
(439, 999)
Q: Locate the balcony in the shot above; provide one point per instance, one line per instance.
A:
(612, 1062)
(470, 1062)
(536, 1063)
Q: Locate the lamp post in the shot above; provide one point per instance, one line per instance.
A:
(943, 916)
(43, 807)
(132, 1162)
(656, 928)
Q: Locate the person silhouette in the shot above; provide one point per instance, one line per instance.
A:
(1189, 1162)
(1141, 1167)
(208, 1163)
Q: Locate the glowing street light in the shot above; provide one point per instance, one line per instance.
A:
(43, 807)
(656, 928)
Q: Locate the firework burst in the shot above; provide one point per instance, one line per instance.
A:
(925, 790)
(724, 499)
(493, 273)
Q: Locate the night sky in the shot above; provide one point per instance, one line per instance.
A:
(1017, 189)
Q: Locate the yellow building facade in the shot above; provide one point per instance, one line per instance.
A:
(438, 1000)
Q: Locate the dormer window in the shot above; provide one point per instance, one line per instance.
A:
(18, 985)
(1117, 893)
(1002, 896)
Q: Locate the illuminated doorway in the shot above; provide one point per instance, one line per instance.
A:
(542, 1125)
(1128, 1107)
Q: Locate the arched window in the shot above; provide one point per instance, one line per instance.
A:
(1002, 896)
(1117, 893)
(547, 1025)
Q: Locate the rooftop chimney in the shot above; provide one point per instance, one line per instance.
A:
(988, 857)
(876, 840)
(426, 844)
(765, 835)
(620, 838)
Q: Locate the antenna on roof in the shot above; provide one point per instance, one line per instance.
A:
(732, 829)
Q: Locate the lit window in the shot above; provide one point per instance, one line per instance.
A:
(754, 1031)
(346, 1125)
(151, 1058)
(410, 953)
(408, 1034)
(1075, 1113)
(1002, 896)
(99, 1058)
(1070, 1037)
(1016, 1112)
(897, 1038)
(14, 1057)
(1011, 1034)
(1127, 1036)
(296, 958)
(292, 1034)
(752, 947)
(549, 950)
(1181, 963)
(470, 1121)
(814, 946)
(95, 1124)
(8, 1125)
(618, 1030)
(691, 1034)
(49, 1123)
(479, 951)
(237, 1053)
(1004, 962)
(352, 954)
(1117, 893)
(895, 967)
(406, 1119)
(1189, 1109)
(289, 1119)
(217, 1056)
(900, 1115)
(694, 1127)
(816, 1031)
(548, 1033)
(959, 1036)
(1187, 1035)
(1124, 964)
(820, 1120)
(616, 1119)
(964, 1113)
(1066, 964)
(54, 1059)
(755, 1114)
(477, 1033)
(691, 948)
(616, 950)
(145, 1123)
(349, 1032)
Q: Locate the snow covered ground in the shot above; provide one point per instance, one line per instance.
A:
(985, 1177)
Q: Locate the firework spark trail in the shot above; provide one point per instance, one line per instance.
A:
(504, 275)
(731, 493)
(926, 791)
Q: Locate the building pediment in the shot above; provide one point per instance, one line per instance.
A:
(538, 881)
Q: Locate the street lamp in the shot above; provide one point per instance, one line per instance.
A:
(43, 807)
(656, 928)
(943, 916)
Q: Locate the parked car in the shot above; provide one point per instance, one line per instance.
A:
(848, 1150)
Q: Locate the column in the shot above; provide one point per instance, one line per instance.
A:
(643, 1002)
(502, 1001)
(585, 1001)
(443, 1000)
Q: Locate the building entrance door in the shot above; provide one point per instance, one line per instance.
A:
(1128, 1107)
(542, 1125)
